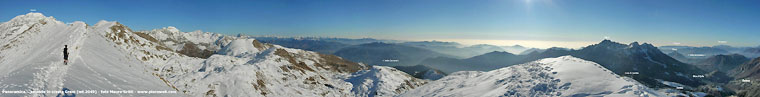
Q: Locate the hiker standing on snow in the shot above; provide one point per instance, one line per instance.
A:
(65, 54)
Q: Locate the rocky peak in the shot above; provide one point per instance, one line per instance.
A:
(607, 41)
(608, 44)
(645, 47)
(750, 69)
(634, 44)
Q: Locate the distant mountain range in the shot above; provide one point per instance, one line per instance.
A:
(488, 61)
(485, 62)
(386, 54)
(462, 51)
(705, 52)
(531, 50)
(317, 45)
(694, 52)
(331, 45)
(682, 58)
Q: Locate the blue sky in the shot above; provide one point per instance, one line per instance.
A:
(538, 23)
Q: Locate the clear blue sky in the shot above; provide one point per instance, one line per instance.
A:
(662, 22)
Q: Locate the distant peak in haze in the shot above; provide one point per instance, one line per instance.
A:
(557, 48)
(497, 53)
(519, 46)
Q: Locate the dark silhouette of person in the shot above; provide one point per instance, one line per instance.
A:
(65, 54)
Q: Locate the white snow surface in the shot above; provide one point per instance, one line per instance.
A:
(382, 81)
(240, 47)
(561, 76)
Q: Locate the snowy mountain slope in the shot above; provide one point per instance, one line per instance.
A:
(561, 76)
(382, 81)
(195, 44)
(173, 37)
(32, 59)
(110, 56)
(244, 66)
(273, 70)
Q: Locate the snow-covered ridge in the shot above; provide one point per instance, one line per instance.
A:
(562, 76)
(382, 81)
(31, 58)
(244, 66)
(176, 40)
(273, 70)
(110, 56)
